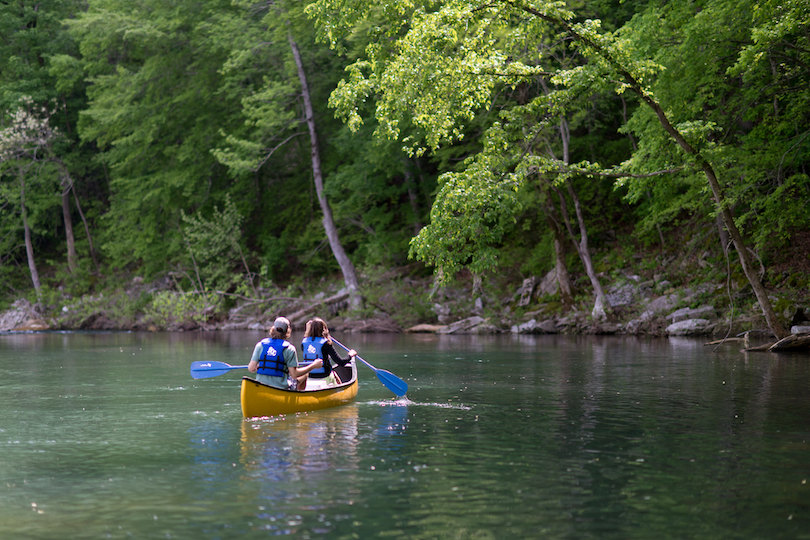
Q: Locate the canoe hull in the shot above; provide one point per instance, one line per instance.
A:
(262, 400)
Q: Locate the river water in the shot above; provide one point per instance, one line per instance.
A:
(105, 435)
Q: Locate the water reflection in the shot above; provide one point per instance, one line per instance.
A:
(392, 424)
(525, 436)
(299, 443)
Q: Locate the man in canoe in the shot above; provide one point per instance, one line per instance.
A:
(275, 361)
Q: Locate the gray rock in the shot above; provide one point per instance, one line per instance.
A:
(464, 326)
(658, 305)
(548, 285)
(442, 312)
(526, 290)
(689, 313)
(690, 327)
(547, 326)
(623, 295)
(15, 318)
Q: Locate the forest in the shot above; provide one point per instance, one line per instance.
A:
(197, 161)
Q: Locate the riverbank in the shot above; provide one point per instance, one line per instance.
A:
(401, 301)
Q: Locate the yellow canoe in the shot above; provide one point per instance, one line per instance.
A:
(262, 400)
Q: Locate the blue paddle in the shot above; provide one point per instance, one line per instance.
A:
(211, 368)
(389, 380)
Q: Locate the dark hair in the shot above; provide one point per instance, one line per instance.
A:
(316, 327)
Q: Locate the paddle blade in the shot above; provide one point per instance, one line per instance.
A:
(206, 370)
(389, 380)
(392, 382)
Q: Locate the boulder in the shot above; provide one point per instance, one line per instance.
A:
(20, 318)
(442, 312)
(623, 295)
(464, 326)
(689, 313)
(548, 285)
(31, 325)
(659, 305)
(425, 328)
(547, 326)
(526, 290)
(690, 327)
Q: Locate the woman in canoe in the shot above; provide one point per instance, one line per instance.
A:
(317, 344)
(275, 361)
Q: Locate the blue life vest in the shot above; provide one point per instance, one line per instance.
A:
(271, 361)
(313, 349)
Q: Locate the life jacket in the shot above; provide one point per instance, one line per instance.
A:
(313, 349)
(271, 361)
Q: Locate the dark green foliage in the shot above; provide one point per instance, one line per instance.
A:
(181, 126)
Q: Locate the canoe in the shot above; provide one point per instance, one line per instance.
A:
(259, 399)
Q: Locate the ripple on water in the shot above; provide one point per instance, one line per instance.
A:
(405, 402)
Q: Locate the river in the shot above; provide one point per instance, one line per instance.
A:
(105, 435)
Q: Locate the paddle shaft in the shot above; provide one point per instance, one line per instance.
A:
(206, 370)
(389, 380)
(220, 368)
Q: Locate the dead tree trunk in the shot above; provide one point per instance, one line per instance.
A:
(67, 188)
(346, 266)
(646, 97)
(71, 243)
(601, 306)
(29, 245)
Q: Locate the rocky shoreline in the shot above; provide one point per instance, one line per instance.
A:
(641, 308)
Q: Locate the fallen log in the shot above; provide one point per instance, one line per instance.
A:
(303, 313)
(724, 340)
(792, 342)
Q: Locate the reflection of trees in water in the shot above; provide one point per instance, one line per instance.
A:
(297, 465)
(390, 427)
(212, 453)
(302, 443)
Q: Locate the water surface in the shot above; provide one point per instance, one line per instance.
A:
(106, 435)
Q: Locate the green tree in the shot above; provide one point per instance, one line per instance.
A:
(24, 150)
(215, 247)
(279, 107)
(454, 55)
(33, 35)
(155, 112)
(450, 63)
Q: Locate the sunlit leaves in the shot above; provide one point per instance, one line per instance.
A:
(473, 211)
(214, 244)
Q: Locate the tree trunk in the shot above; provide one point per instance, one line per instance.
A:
(29, 246)
(71, 243)
(86, 231)
(601, 306)
(67, 187)
(728, 219)
(346, 266)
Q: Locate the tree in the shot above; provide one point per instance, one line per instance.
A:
(214, 245)
(23, 148)
(346, 266)
(452, 57)
(447, 65)
(155, 111)
(33, 35)
(251, 152)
